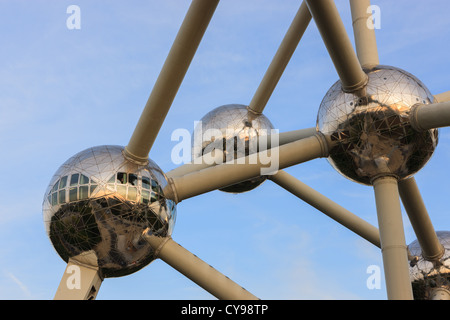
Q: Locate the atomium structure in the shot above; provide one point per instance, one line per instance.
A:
(109, 211)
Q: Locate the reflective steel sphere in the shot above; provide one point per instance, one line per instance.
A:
(427, 276)
(234, 130)
(99, 202)
(372, 132)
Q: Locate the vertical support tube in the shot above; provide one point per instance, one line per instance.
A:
(432, 249)
(338, 44)
(169, 80)
(281, 59)
(393, 244)
(364, 33)
(197, 270)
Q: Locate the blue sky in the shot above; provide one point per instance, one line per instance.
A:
(63, 91)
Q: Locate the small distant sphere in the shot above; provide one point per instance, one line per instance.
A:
(372, 132)
(235, 130)
(427, 276)
(99, 203)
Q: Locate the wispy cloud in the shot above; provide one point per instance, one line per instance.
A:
(20, 284)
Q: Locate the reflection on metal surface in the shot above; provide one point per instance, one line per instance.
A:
(99, 202)
(235, 131)
(427, 276)
(373, 131)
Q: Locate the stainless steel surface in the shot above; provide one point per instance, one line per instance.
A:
(234, 130)
(394, 250)
(365, 38)
(373, 133)
(99, 202)
(427, 276)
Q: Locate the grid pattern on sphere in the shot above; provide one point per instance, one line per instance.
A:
(372, 131)
(98, 202)
(426, 275)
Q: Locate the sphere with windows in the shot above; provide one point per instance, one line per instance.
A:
(98, 203)
(371, 131)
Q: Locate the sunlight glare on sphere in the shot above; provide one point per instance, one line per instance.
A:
(99, 202)
(372, 133)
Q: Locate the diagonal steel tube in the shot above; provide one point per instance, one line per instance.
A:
(340, 49)
(392, 235)
(443, 97)
(206, 161)
(429, 116)
(281, 59)
(169, 80)
(261, 163)
(364, 33)
(217, 158)
(327, 206)
(196, 269)
(432, 249)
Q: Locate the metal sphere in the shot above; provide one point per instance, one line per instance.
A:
(372, 131)
(427, 276)
(234, 130)
(99, 202)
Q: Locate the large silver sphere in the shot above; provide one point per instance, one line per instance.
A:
(427, 276)
(99, 202)
(234, 130)
(372, 132)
